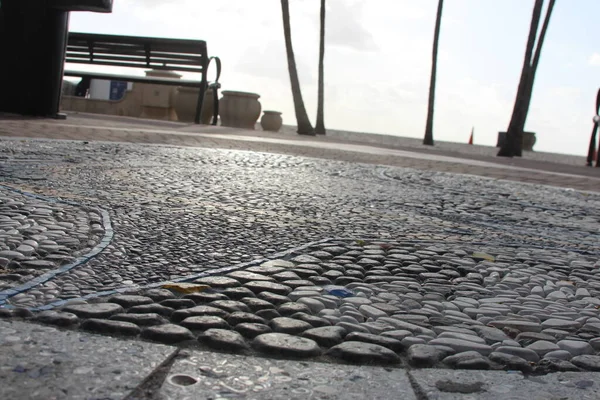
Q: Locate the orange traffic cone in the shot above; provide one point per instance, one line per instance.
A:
(471, 138)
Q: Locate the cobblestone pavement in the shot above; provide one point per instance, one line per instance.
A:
(301, 257)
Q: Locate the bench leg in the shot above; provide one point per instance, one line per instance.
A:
(200, 102)
(216, 106)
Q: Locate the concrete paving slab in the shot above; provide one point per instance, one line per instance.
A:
(41, 362)
(205, 375)
(442, 384)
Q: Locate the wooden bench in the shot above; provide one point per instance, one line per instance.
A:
(180, 55)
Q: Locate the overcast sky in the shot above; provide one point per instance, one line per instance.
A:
(378, 60)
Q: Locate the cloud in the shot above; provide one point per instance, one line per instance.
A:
(343, 26)
(594, 60)
(270, 61)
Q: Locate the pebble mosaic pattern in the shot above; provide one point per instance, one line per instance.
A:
(37, 236)
(462, 272)
(424, 304)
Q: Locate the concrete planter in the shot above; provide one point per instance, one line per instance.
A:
(529, 140)
(239, 109)
(157, 100)
(186, 102)
(271, 121)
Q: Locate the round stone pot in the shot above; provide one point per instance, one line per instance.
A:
(271, 121)
(186, 101)
(239, 109)
(529, 140)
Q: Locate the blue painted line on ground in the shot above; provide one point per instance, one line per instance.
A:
(5, 295)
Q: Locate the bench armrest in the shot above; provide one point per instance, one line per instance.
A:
(215, 86)
(217, 61)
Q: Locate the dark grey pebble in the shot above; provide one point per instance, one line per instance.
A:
(511, 362)
(237, 293)
(273, 298)
(288, 309)
(57, 318)
(282, 344)
(239, 317)
(230, 305)
(178, 304)
(159, 294)
(251, 330)
(527, 338)
(289, 325)
(423, 355)
(587, 362)
(204, 322)
(99, 310)
(151, 308)
(256, 304)
(130, 300)
(219, 282)
(245, 276)
(326, 336)
(21, 312)
(268, 314)
(148, 319)
(108, 326)
(548, 365)
(390, 343)
(272, 287)
(180, 315)
(311, 319)
(481, 363)
(223, 339)
(360, 352)
(168, 333)
(205, 298)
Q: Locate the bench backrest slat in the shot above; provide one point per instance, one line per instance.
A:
(137, 52)
(79, 51)
(169, 67)
(79, 57)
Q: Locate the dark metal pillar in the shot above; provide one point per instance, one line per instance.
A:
(32, 47)
(33, 39)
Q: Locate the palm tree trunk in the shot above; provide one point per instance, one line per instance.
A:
(531, 79)
(509, 147)
(320, 126)
(593, 149)
(304, 125)
(428, 140)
